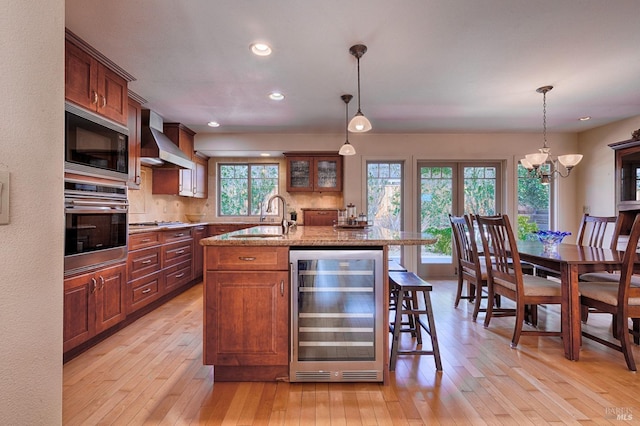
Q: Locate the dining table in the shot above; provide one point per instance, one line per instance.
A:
(569, 261)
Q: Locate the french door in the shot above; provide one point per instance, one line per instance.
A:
(452, 188)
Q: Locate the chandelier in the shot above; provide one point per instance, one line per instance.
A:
(359, 123)
(347, 148)
(542, 165)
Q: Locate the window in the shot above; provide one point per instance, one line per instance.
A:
(384, 197)
(533, 204)
(242, 187)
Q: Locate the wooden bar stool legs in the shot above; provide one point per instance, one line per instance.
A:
(411, 292)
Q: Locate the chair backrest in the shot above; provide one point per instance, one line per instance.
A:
(466, 246)
(593, 230)
(625, 289)
(503, 266)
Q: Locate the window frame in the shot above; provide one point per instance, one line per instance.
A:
(249, 165)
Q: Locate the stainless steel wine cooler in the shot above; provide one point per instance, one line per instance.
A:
(336, 308)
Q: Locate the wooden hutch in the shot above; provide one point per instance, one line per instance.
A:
(627, 177)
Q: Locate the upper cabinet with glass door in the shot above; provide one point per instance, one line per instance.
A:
(314, 172)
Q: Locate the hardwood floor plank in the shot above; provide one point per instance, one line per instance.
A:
(151, 372)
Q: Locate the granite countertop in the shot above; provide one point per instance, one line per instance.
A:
(136, 229)
(318, 236)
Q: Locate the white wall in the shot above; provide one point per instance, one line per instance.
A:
(596, 172)
(31, 254)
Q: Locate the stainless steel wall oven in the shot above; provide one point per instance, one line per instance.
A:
(336, 304)
(96, 227)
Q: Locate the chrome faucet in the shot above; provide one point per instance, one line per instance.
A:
(284, 222)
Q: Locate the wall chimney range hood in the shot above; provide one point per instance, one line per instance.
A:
(156, 149)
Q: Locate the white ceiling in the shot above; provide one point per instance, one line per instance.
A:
(431, 65)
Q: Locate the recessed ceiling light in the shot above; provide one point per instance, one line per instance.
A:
(213, 124)
(276, 96)
(585, 118)
(261, 49)
(265, 154)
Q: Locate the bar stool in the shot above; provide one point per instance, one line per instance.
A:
(408, 287)
(394, 267)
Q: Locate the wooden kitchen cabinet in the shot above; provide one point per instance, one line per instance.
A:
(246, 325)
(319, 217)
(94, 82)
(627, 169)
(177, 258)
(176, 181)
(220, 228)
(93, 302)
(314, 172)
(134, 123)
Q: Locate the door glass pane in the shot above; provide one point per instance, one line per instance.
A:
(480, 190)
(436, 203)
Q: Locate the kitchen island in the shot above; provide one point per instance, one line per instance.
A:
(247, 292)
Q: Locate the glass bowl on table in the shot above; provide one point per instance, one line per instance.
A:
(551, 239)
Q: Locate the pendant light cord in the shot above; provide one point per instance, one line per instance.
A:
(358, 60)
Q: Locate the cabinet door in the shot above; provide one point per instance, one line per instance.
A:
(110, 301)
(134, 124)
(80, 77)
(320, 217)
(200, 184)
(112, 95)
(327, 174)
(79, 306)
(299, 174)
(247, 318)
(198, 251)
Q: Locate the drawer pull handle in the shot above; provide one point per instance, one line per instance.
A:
(281, 287)
(180, 234)
(180, 275)
(93, 285)
(146, 240)
(247, 259)
(322, 213)
(180, 252)
(146, 290)
(146, 262)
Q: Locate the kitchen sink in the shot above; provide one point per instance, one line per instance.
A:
(257, 236)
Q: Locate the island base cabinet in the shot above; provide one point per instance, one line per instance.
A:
(246, 325)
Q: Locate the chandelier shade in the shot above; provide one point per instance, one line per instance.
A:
(534, 162)
(359, 123)
(346, 148)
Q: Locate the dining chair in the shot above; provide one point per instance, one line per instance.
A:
(594, 229)
(470, 268)
(505, 277)
(622, 301)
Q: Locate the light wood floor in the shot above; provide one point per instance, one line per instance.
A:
(152, 373)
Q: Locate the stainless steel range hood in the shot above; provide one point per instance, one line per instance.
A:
(156, 149)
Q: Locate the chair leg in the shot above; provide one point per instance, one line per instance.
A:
(459, 292)
(476, 304)
(584, 313)
(489, 311)
(621, 325)
(520, 315)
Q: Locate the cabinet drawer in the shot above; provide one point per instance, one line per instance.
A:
(177, 252)
(247, 258)
(143, 262)
(176, 235)
(320, 217)
(178, 275)
(143, 291)
(146, 239)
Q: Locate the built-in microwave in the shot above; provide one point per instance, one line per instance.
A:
(94, 145)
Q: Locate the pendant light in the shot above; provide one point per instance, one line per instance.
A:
(534, 162)
(359, 123)
(347, 148)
